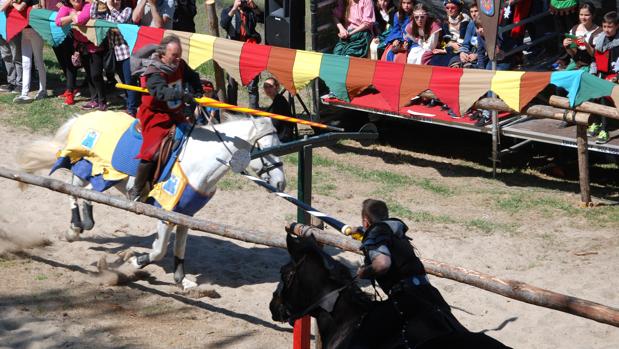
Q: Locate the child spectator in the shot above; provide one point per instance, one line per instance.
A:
(354, 20)
(11, 56)
(394, 42)
(383, 10)
(473, 50)
(579, 41)
(453, 31)
(72, 11)
(423, 31)
(31, 45)
(607, 54)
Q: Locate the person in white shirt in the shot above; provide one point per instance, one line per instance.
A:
(154, 13)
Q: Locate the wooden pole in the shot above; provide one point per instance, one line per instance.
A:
(587, 107)
(583, 164)
(508, 288)
(538, 111)
(213, 29)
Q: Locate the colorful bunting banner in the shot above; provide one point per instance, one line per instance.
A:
(346, 77)
(12, 22)
(44, 23)
(474, 84)
(503, 83)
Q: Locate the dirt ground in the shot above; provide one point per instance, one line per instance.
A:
(524, 226)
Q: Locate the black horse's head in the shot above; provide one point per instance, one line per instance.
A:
(308, 282)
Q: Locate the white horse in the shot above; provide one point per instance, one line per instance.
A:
(206, 158)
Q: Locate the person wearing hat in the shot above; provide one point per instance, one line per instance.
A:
(454, 31)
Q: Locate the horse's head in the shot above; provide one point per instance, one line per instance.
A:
(269, 167)
(310, 282)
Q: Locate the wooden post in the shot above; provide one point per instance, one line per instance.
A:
(213, 29)
(587, 107)
(583, 164)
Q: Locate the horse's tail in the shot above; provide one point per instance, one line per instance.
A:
(41, 154)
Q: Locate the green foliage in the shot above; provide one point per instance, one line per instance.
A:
(232, 183)
(481, 225)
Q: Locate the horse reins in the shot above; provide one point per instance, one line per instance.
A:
(331, 296)
(266, 167)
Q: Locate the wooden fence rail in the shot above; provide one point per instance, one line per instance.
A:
(505, 287)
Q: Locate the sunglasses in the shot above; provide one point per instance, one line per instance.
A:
(451, 7)
(420, 17)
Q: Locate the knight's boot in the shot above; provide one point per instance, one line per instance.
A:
(145, 170)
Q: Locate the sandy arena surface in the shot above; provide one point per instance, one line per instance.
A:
(52, 297)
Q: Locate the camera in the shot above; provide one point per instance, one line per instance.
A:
(243, 3)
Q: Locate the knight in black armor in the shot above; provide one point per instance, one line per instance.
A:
(390, 260)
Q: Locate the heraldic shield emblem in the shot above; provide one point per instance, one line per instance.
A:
(487, 7)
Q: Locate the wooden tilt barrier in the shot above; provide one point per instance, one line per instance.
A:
(505, 287)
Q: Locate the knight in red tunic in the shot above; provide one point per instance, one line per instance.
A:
(165, 77)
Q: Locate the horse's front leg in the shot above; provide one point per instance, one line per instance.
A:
(88, 220)
(164, 230)
(180, 243)
(77, 226)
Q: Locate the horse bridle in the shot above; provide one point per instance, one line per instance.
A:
(326, 302)
(267, 166)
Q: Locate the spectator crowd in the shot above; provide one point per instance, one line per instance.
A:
(407, 31)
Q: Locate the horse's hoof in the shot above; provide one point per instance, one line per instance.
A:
(134, 262)
(73, 234)
(187, 284)
(140, 261)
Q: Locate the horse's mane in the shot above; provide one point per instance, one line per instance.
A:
(338, 272)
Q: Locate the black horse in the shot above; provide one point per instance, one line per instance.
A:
(315, 284)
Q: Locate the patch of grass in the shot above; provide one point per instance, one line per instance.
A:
(515, 203)
(604, 216)
(232, 183)
(436, 188)
(489, 227)
(291, 159)
(325, 189)
(398, 210)
(318, 160)
(323, 183)
(481, 225)
(427, 217)
(40, 277)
